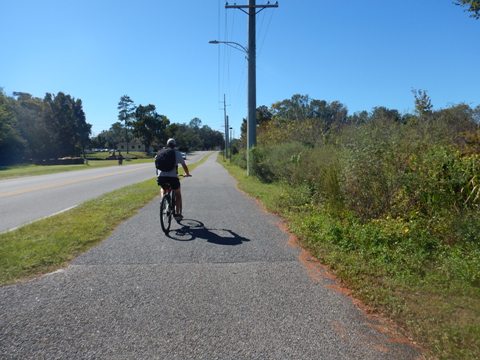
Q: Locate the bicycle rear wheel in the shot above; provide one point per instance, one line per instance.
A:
(166, 213)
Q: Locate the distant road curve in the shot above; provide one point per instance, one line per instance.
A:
(27, 199)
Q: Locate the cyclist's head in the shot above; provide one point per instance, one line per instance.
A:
(171, 143)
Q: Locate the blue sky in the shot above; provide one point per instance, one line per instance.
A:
(362, 53)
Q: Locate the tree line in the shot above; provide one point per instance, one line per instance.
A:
(143, 122)
(32, 128)
(314, 122)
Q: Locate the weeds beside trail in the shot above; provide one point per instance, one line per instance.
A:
(392, 205)
(394, 266)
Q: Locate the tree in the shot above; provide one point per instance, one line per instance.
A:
(82, 128)
(263, 115)
(195, 123)
(473, 6)
(65, 120)
(210, 139)
(114, 135)
(476, 115)
(193, 137)
(99, 141)
(30, 114)
(332, 115)
(51, 127)
(295, 108)
(148, 125)
(381, 113)
(235, 144)
(457, 120)
(322, 117)
(126, 113)
(359, 118)
(301, 107)
(11, 144)
(186, 137)
(243, 134)
(423, 104)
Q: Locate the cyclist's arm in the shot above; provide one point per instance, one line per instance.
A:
(182, 162)
(185, 168)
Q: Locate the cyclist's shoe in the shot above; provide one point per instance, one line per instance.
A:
(178, 216)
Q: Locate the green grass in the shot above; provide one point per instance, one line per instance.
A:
(49, 244)
(432, 291)
(8, 172)
(131, 154)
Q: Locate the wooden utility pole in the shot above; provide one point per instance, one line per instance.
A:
(225, 119)
(253, 10)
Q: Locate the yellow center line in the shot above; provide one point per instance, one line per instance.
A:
(65, 183)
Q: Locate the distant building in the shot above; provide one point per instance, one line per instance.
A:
(133, 145)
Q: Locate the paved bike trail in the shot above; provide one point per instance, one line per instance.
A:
(225, 284)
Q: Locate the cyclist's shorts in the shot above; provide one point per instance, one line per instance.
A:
(173, 181)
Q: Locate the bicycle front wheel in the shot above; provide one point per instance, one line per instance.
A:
(166, 213)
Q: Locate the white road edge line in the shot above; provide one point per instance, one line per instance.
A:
(45, 217)
(64, 210)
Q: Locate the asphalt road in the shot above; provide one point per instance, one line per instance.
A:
(26, 199)
(225, 284)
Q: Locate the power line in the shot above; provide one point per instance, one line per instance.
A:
(266, 32)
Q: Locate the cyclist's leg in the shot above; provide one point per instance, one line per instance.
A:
(165, 181)
(178, 201)
(178, 195)
(161, 182)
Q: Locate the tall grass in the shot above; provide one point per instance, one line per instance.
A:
(394, 209)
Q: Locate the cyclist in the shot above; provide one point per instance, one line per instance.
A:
(171, 178)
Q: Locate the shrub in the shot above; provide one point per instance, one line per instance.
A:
(441, 179)
(322, 171)
(240, 159)
(278, 162)
(372, 169)
(412, 171)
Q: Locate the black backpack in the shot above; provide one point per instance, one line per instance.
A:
(165, 159)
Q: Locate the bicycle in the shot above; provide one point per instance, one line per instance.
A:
(167, 207)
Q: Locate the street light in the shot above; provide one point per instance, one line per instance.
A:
(232, 44)
(251, 96)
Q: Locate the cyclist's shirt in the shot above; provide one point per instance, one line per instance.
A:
(174, 172)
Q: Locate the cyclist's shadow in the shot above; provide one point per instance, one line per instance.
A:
(194, 229)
